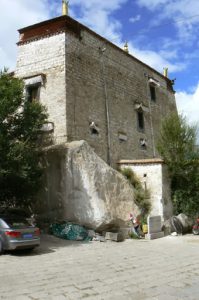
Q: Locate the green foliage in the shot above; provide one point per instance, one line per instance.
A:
(133, 236)
(142, 195)
(20, 124)
(177, 146)
(130, 175)
(177, 143)
(186, 202)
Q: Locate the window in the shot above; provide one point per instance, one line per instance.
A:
(140, 120)
(33, 92)
(152, 92)
(94, 130)
(122, 137)
(33, 85)
(16, 221)
(143, 144)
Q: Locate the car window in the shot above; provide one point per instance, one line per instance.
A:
(16, 222)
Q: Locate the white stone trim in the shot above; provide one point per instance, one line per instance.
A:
(38, 79)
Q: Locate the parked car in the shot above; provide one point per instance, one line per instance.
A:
(16, 232)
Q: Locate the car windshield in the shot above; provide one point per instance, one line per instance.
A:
(16, 221)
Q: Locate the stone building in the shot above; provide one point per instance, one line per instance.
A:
(93, 90)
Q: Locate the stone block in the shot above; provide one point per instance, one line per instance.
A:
(125, 231)
(99, 238)
(114, 236)
(91, 233)
(154, 224)
(154, 228)
(153, 236)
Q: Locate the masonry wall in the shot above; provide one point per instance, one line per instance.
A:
(47, 56)
(90, 80)
(155, 178)
(94, 76)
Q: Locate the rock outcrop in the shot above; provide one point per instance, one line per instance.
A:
(180, 224)
(186, 222)
(80, 187)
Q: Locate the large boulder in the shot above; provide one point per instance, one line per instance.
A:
(186, 222)
(180, 224)
(80, 187)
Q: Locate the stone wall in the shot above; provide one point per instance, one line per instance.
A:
(98, 72)
(154, 176)
(47, 56)
(88, 79)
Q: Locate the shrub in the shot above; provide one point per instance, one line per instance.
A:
(142, 195)
(177, 146)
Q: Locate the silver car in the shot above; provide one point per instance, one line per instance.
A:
(17, 233)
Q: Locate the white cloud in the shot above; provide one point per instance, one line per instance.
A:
(157, 60)
(96, 5)
(105, 27)
(16, 14)
(135, 19)
(188, 105)
(97, 15)
(187, 101)
(151, 4)
(94, 13)
(183, 13)
(185, 8)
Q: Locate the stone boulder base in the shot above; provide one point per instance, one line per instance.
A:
(180, 224)
(186, 222)
(80, 187)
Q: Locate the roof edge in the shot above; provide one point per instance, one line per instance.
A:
(25, 29)
(140, 161)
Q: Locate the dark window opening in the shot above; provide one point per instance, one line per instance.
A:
(153, 92)
(33, 92)
(143, 144)
(94, 131)
(140, 120)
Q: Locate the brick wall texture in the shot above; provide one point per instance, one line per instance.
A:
(88, 79)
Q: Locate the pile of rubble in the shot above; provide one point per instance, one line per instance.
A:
(76, 232)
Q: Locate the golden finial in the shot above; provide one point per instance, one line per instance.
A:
(65, 7)
(126, 47)
(165, 72)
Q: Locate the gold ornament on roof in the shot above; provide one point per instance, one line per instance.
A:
(126, 47)
(65, 7)
(165, 72)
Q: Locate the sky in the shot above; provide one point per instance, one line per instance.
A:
(161, 33)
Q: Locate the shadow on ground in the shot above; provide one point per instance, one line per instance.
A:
(49, 244)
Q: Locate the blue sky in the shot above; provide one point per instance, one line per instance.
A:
(162, 33)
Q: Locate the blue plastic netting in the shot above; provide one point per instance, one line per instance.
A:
(70, 231)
